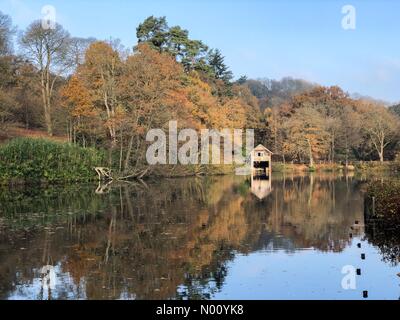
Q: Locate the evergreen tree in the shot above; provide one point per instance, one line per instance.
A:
(153, 31)
(242, 80)
(395, 109)
(217, 62)
(174, 40)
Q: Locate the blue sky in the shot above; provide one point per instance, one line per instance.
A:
(259, 38)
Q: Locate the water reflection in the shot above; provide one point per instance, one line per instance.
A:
(165, 239)
(261, 186)
(386, 236)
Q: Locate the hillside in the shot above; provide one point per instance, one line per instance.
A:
(15, 132)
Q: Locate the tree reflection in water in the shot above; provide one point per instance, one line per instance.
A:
(386, 236)
(166, 239)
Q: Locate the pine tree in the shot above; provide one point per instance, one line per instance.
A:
(217, 62)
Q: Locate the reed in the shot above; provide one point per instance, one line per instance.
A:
(26, 159)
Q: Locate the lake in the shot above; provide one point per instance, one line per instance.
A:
(228, 237)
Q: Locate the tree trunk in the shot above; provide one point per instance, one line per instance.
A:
(48, 97)
(121, 151)
(310, 154)
(46, 100)
(47, 117)
(381, 153)
(128, 153)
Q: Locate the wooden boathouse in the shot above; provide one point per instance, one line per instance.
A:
(260, 161)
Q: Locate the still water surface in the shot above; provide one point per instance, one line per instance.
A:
(196, 238)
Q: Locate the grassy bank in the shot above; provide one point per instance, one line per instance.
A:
(363, 167)
(29, 160)
(293, 168)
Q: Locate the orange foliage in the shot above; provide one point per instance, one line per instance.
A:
(78, 99)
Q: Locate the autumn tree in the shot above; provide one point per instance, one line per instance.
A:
(149, 91)
(84, 120)
(6, 104)
(48, 50)
(19, 95)
(251, 106)
(380, 126)
(201, 100)
(306, 135)
(349, 134)
(329, 102)
(6, 77)
(6, 73)
(27, 108)
(78, 47)
(231, 114)
(100, 74)
(275, 134)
